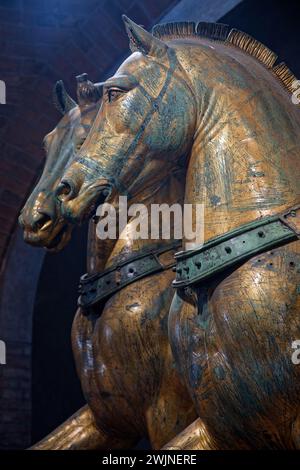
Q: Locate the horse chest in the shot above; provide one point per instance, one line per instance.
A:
(120, 356)
(234, 348)
(113, 348)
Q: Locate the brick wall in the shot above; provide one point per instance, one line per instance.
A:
(15, 396)
(41, 42)
(17, 298)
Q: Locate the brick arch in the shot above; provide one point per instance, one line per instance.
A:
(41, 42)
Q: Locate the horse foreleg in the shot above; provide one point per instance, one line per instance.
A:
(80, 432)
(194, 437)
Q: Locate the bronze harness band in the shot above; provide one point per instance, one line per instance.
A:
(102, 285)
(238, 245)
(197, 265)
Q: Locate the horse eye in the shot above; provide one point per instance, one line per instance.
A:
(113, 93)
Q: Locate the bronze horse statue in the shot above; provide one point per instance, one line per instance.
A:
(215, 100)
(123, 357)
(40, 219)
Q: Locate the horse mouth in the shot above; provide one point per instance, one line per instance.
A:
(60, 240)
(50, 241)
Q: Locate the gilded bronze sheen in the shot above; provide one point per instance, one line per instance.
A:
(197, 114)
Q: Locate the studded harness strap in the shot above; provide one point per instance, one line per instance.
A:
(100, 286)
(238, 245)
(194, 266)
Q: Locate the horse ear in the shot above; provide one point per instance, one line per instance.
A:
(87, 92)
(62, 101)
(142, 41)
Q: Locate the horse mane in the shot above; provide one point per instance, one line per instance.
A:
(234, 37)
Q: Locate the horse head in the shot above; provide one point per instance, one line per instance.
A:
(41, 217)
(198, 95)
(143, 128)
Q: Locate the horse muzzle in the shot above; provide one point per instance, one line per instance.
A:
(41, 230)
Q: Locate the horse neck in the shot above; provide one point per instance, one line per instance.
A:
(164, 189)
(244, 159)
(98, 251)
(169, 190)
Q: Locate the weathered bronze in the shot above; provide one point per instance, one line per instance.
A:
(96, 287)
(40, 218)
(213, 100)
(123, 357)
(226, 251)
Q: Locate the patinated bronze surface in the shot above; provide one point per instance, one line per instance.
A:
(99, 287)
(123, 358)
(40, 218)
(213, 99)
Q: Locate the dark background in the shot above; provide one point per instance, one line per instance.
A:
(41, 42)
(56, 391)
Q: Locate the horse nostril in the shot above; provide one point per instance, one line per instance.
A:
(65, 190)
(42, 222)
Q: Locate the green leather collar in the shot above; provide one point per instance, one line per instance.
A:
(227, 250)
(102, 285)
